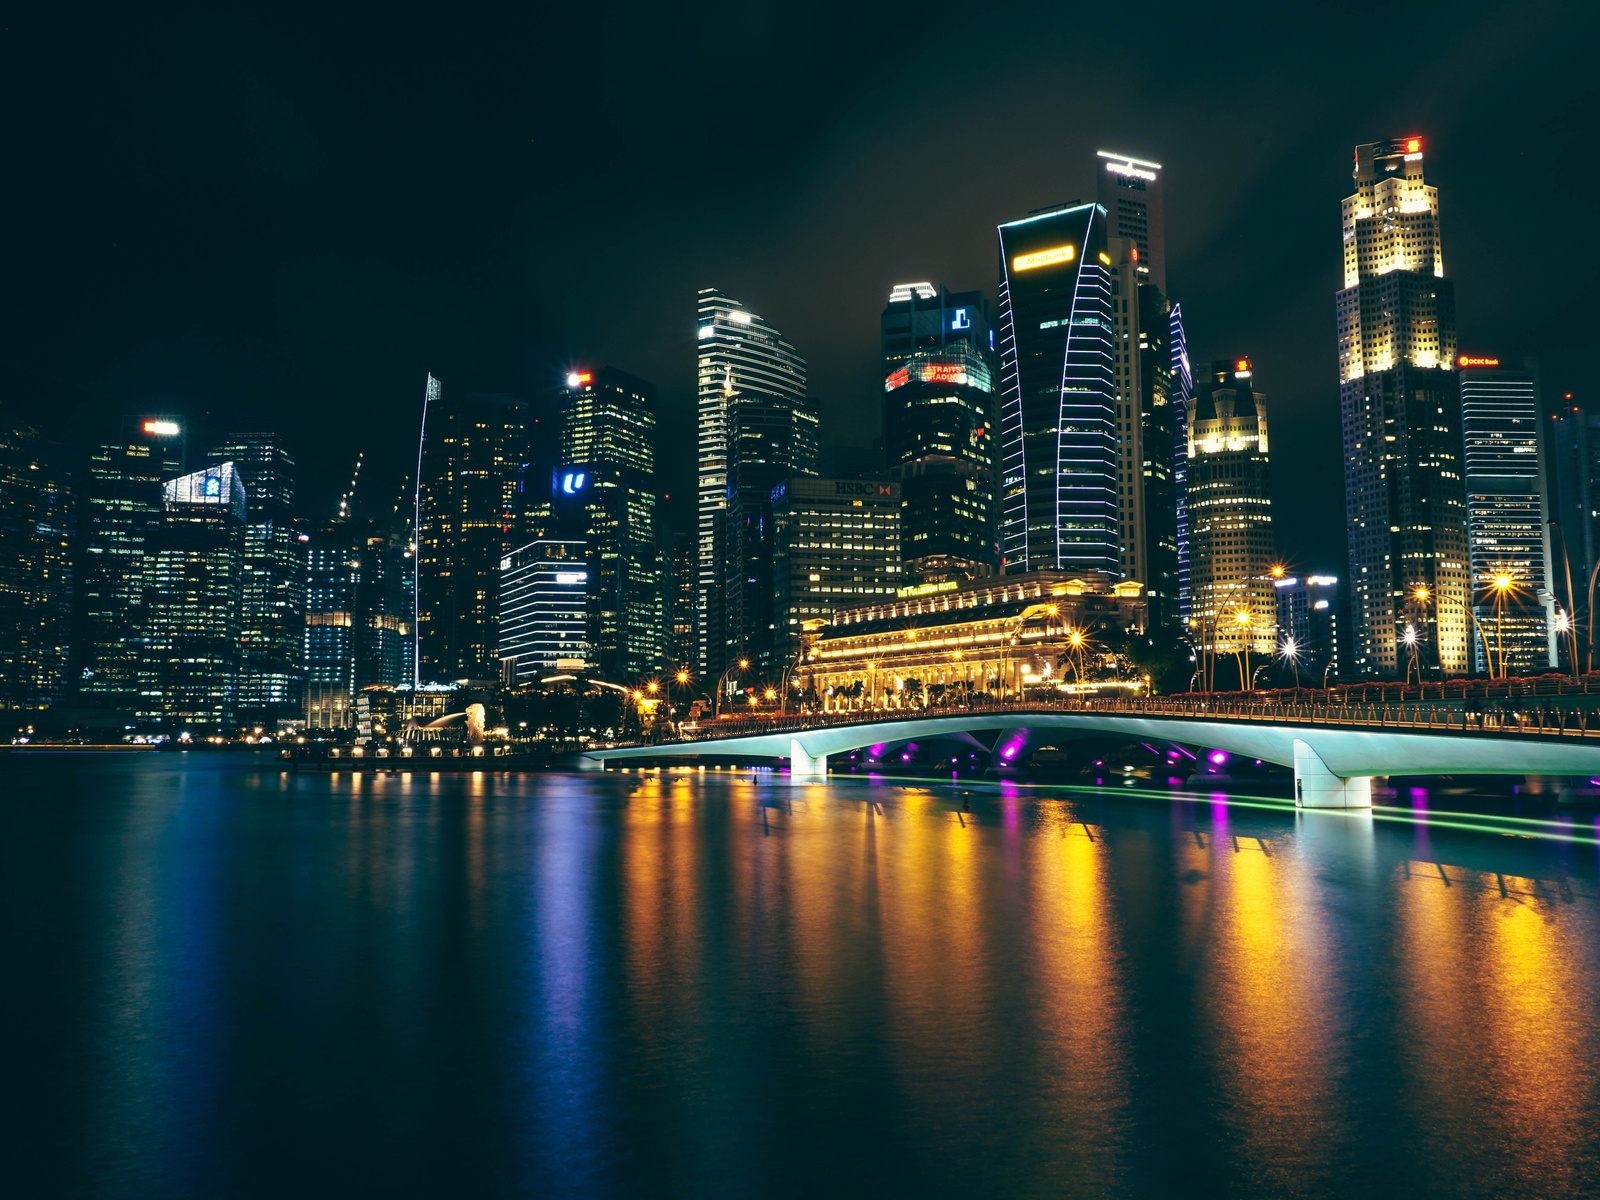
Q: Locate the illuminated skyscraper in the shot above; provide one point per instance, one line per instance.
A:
(939, 429)
(1147, 424)
(756, 426)
(1573, 483)
(1182, 384)
(1231, 549)
(544, 610)
(1405, 508)
(121, 506)
(38, 526)
(1058, 418)
(608, 436)
(189, 659)
(272, 614)
(472, 450)
(1506, 514)
(1129, 189)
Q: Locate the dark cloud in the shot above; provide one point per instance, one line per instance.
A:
(294, 214)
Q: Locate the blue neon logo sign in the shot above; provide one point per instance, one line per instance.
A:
(572, 481)
(961, 320)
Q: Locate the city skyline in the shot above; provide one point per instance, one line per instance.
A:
(349, 275)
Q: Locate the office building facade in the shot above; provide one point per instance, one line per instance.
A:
(38, 529)
(1507, 535)
(193, 603)
(757, 426)
(272, 614)
(1308, 627)
(1129, 189)
(1572, 479)
(837, 542)
(1405, 506)
(1231, 552)
(332, 623)
(939, 439)
(1147, 427)
(472, 450)
(544, 610)
(1057, 408)
(608, 439)
(121, 506)
(1182, 393)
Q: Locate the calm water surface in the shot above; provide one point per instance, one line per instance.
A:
(222, 981)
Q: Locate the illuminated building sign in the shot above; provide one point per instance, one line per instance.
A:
(1043, 258)
(579, 379)
(930, 372)
(858, 487)
(1117, 168)
(926, 589)
(162, 428)
(1464, 361)
(572, 481)
(1413, 145)
(961, 320)
(570, 577)
(1242, 366)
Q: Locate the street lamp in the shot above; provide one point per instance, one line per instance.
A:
(1503, 585)
(1410, 639)
(716, 701)
(1242, 620)
(1291, 651)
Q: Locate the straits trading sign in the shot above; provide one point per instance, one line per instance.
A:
(930, 372)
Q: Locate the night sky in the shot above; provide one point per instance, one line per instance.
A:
(288, 217)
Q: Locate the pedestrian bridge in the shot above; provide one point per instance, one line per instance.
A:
(1333, 749)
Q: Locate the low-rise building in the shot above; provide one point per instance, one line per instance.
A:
(1001, 635)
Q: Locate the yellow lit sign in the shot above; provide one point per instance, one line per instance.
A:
(1043, 258)
(926, 589)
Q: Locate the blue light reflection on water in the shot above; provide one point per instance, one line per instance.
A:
(241, 982)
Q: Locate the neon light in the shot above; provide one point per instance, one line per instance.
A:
(1122, 169)
(961, 320)
(571, 576)
(162, 428)
(942, 373)
(1128, 158)
(1413, 145)
(1464, 361)
(1043, 258)
(579, 379)
(899, 379)
(1242, 366)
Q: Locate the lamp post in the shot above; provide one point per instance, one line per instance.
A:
(1503, 584)
(1410, 639)
(1572, 634)
(716, 700)
(1242, 620)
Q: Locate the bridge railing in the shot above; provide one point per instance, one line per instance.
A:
(1498, 718)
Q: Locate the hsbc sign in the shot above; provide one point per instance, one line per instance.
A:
(858, 487)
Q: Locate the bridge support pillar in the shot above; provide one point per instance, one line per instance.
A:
(801, 763)
(1317, 787)
(585, 763)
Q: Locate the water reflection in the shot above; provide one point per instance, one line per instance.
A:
(674, 985)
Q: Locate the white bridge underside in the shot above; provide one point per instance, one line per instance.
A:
(1333, 767)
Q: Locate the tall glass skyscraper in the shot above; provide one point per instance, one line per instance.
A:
(757, 425)
(472, 449)
(272, 611)
(1405, 510)
(1129, 189)
(1506, 513)
(1058, 420)
(194, 564)
(939, 429)
(121, 507)
(1182, 392)
(608, 436)
(38, 526)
